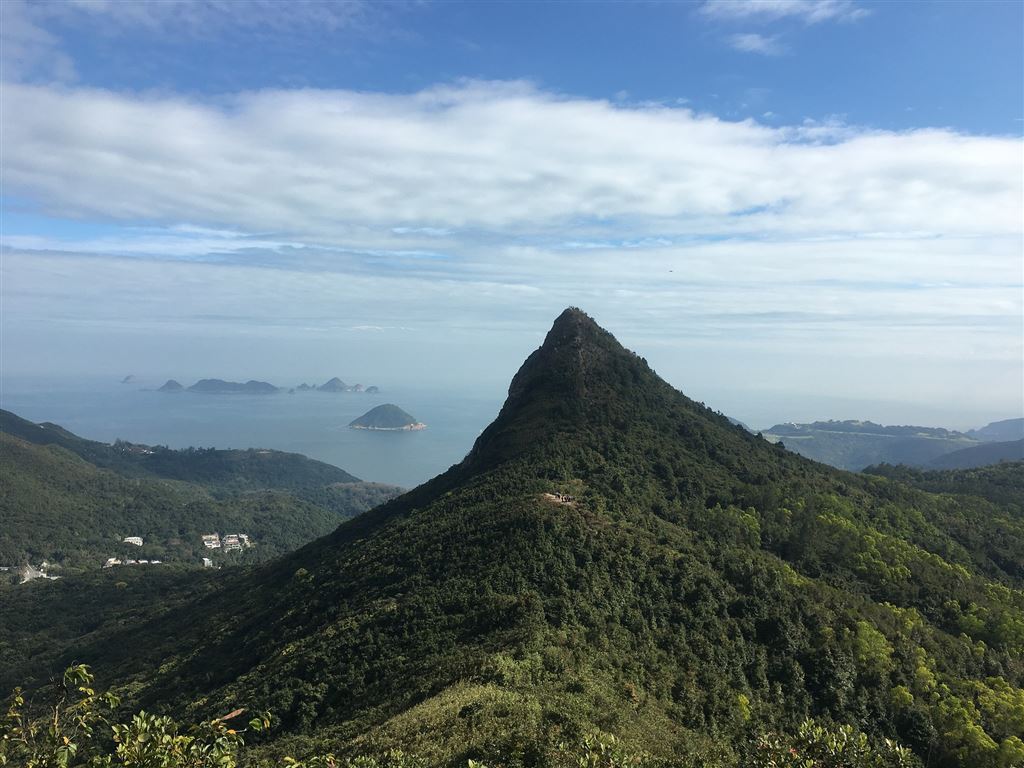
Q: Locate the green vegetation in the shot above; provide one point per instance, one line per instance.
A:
(980, 455)
(41, 620)
(227, 470)
(77, 729)
(613, 559)
(1002, 484)
(854, 445)
(72, 501)
(385, 416)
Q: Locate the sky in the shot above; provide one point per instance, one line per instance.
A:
(793, 209)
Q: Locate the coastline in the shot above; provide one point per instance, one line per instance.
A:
(407, 428)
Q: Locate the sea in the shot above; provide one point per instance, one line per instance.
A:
(311, 423)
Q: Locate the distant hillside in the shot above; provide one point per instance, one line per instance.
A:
(220, 387)
(171, 386)
(231, 470)
(980, 455)
(854, 445)
(72, 501)
(856, 427)
(1001, 483)
(1000, 431)
(386, 417)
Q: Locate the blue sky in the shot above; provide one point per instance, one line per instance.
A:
(781, 204)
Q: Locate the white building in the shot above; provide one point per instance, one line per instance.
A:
(136, 540)
(211, 540)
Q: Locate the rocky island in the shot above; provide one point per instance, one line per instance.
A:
(220, 387)
(389, 418)
(337, 385)
(252, 387)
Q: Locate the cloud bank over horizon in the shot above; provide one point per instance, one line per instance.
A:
(827, 257)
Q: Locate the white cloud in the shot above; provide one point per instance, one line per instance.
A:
(808, 11)
(752, 42)
(350, 168)
(292, 222)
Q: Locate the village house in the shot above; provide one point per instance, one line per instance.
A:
(136, 540)
(211, 540)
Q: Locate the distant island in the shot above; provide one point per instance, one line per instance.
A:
(337, 385)
(388, 418)
(252, 387)
(221, 387)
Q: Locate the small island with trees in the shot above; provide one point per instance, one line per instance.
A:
(389, 418)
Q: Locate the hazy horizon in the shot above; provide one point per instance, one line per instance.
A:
(794, 211)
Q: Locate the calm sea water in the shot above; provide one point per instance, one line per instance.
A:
(311, 423)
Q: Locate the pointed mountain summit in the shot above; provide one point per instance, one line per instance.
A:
(611, 556)
(582, 390)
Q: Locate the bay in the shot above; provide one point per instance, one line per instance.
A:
(311, 423)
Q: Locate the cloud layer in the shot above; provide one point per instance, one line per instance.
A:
(819, 257)
(499, 157)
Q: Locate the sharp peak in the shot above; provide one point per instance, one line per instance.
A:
(575, 345)
(574, 317)
(573, 325)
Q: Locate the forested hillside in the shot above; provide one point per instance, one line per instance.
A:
(71, 501)
(980, 456)
(612, 558)
(1001, 484)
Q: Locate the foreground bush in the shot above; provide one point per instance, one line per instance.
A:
(75, 729)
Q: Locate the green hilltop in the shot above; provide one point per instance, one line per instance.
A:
(612, 557)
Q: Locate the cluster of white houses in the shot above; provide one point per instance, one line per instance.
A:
(230, 542)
